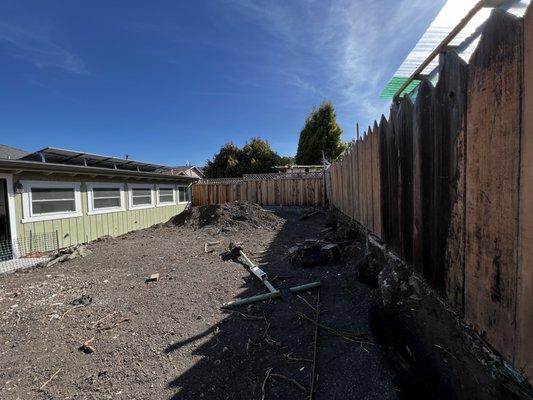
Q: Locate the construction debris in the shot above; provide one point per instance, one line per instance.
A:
(66, 254)
(208, 244)
(152, 278)
(87, 346)
(314, 252)
(237, 254)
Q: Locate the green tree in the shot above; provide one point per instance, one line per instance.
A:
(321, 133)
(254, 158)
(226, 163)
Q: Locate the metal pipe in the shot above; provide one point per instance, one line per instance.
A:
(271, 295)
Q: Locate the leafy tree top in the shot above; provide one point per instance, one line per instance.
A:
(321, 133)
(254, 158)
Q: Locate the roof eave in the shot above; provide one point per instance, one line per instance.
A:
(19, 166)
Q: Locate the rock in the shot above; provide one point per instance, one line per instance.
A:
(83, 300)
(152, 278)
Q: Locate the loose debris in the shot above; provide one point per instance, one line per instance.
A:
(49, 380)
(314, 252)
(152, 278)
(209, 244)
(83, 300)
(87, 346)
(66, 254)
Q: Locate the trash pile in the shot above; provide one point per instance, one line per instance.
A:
(241, 215)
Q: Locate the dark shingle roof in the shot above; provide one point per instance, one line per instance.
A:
(11, 152)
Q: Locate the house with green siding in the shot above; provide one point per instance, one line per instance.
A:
(55, 198)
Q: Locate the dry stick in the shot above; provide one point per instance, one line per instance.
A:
(104, 318)
(246, 316)
(296, 359)
(49, 380)
(306, 302)
(263, 386)
(346, 335)
(315, 346)
(296, 383)
(71, 309)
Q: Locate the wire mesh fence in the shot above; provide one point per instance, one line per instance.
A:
(27, 251)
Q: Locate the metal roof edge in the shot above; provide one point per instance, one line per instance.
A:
(36, 166)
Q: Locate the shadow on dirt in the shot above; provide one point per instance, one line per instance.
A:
(235, 355)
(276, 338)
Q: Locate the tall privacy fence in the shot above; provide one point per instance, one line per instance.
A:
(276, 189)
(447, 183)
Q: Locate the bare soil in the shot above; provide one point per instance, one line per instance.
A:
(169, 339)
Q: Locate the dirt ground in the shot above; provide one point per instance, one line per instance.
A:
(169, 339)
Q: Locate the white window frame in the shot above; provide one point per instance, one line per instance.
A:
(28, 215)
(104, 185)
(166, 203)
(140, 186)
(189, 188)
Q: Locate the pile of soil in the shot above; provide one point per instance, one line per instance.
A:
(241, 215)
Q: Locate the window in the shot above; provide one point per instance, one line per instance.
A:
(165, 195)
(105, 197)
(50, 200)
(140, 196)
(184, 194)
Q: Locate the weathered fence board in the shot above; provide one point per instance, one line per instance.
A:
(492, 179)
(524, 317)
(451, 94)
(422, 176)
(300, 190)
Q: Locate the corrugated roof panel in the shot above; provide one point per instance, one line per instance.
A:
(72, 157)
(466, 41)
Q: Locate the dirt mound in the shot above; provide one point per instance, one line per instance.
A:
(241, 215)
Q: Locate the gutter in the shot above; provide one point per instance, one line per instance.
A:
(19, 166)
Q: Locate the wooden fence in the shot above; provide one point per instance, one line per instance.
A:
(447, 183)
(306, 189)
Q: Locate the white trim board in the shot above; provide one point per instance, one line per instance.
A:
(140, 186)
(109, 185)
(11, 204)
(168, 203)
(188, 188)
(26, 201)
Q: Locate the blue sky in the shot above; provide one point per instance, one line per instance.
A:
(172, 81)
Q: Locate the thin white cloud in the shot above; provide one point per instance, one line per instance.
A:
(39, 50)
(343, 50)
